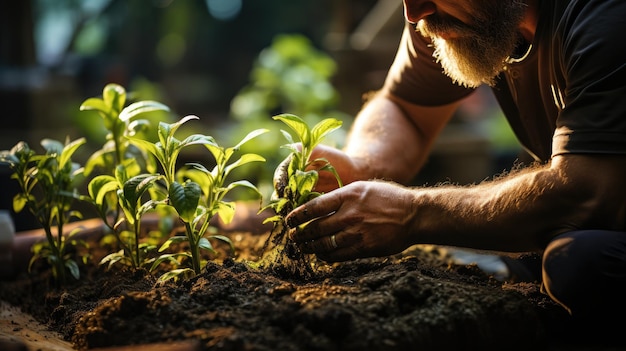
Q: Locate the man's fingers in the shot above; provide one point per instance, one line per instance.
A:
(315, 229)
(319, 207)
(341, 244)
(322, 244)
(340, 255)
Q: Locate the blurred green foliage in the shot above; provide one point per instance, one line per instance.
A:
(290, 76)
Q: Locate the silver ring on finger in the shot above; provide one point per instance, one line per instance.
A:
(333, 241)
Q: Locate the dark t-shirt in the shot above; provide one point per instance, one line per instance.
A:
(566, 95)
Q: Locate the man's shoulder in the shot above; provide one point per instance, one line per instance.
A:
(588, 13)
(568, 26)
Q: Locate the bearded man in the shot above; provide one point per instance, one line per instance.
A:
(558, 70)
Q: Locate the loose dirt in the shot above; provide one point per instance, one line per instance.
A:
(418, 300)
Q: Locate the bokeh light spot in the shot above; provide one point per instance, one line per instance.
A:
(224, 9)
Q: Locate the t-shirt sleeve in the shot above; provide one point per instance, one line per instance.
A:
(416, 77)
(593, 61)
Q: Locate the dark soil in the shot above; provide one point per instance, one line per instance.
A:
(414, 301)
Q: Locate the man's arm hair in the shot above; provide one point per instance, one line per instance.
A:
(391, 138)
(524, 210)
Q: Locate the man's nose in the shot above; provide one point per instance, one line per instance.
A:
(415, 10)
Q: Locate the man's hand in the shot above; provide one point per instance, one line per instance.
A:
(362, 219)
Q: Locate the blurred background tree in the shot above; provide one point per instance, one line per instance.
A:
(233, 63)
(193, 55)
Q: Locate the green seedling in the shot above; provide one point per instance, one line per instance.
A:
(167, 149)
(121, 161)
(198, 195)
(121, 122)
(136, 194)
(296, 182)
(48, 189)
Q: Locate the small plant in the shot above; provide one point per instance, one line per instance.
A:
(48, 189)
(296, 184)
(122, 189)
(130, 192)
(139, 192)
(198, 194)
(130, 187)
(120, 121)
(193, 192)
(289, 75)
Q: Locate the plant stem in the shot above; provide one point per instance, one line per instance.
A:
(58, 265)
(117, 141)
(137, 260)
(194, 247)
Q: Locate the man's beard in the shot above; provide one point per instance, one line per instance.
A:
(480, 51)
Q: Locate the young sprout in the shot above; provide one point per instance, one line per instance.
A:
(120, 161)
(48, 189)
(296, 182)
(201, 196)
(121, 122)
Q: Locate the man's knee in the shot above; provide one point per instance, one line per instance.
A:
(585, 271)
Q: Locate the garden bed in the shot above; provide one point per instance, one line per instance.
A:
(418, 300)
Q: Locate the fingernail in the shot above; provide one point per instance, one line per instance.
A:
(289, 221)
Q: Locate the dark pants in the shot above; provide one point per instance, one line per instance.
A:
(585, 272)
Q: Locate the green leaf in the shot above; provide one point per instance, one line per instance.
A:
(72, 266)
(246, 158)
(226, 211)
(138, 125)
(197, 139)
(140, 107)
(19, 201)
(171, 258)
(74, 214)
(198, 174)
(114, 95)
(97, 105)
(306, 180)
(205, 244)
(52, 147)
(290, 140)
(126, 170)
(185, 199)
(173, 240)
(166, 131)
(273, 219)
(113, 258)
(100, 185)
(149, 147)
(69, 150)
(226, 240)
(174, 274)
(241, 183)
(330, 168)
(253, 134)
(149, 205)
(298, 125)
(323, 128)
(136, 186)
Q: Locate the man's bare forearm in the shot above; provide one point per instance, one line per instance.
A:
(389, 144)
(523, 211)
